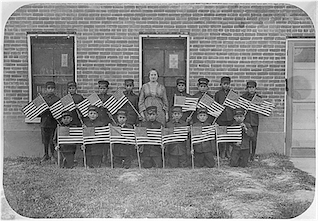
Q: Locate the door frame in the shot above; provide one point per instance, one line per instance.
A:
(141, 36)
(289, 85)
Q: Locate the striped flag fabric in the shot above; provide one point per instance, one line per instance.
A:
(260, 106)
(213, 107)
(200, 134)
(122, 135)
(175, 134)
(70, 135)
(115, 102)
(228, 134)
(93, 99)
(187, 103)
(56, 109)
(234, 101)
(148, 136)
(95, 135)
(35, 108)
(244, 103)
(68, 103)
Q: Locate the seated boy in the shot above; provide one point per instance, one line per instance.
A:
(240, 151)
(177, 151)
(203, 152)
(123, 153)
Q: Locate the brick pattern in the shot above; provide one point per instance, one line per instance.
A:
(243, 41)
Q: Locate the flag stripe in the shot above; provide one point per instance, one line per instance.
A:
(122, 135)
(201, 134)
(101, 135)
(179, 134)
(74, 136)
(35, 107)
(233, 134)
(56, 109)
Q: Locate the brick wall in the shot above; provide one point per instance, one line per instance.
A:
(244, 41)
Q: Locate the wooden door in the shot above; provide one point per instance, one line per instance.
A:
(300, 116)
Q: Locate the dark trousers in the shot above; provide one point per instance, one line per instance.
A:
(204, 159)
(47, 135)
(177, 161)
(239, 157)
(67, 153)
(122, 161)
(94, 155)
(253, 142)
(151, 161)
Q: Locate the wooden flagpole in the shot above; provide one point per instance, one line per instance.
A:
(217, 147)
(137, 147)
(192, 150)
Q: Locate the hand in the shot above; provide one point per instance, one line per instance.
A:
(238, 144)
(192, 152)
(56, 148)
(82, 147)
(244, 126)
(188, 119)
(167, 117)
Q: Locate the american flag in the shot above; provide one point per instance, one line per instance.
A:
(70, 135)
(148, 136)
(187, 103)
(115, 102)
(56, 109)
(234, 101)
(35, 107)
(228, 134)
(200, 134)
(213, 107)
(93, 99)
(174, 134)
(122, 135)
(94, 135)
(68, 102)
(260, 106)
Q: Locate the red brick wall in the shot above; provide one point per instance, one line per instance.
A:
(244, 41)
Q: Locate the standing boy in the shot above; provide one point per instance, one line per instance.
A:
(48, 123)
(77, 98)
(151, 154)
(240, 151)
(226, 117)
(252, 117)
(177, 151)
(204, 151)
(132, 117)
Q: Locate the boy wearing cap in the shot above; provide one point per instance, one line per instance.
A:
(226, 117)
(123, 153)
(177, 151)
(94, 152)
(132, 117)
(252, 117)
(240, 151)
(203, 152)
(151, 154)
(77, 98)
(48, 123)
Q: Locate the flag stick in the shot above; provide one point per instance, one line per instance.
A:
(162, 149)
(84, 156)
(111, 155)
(192, 150)
(218, 158)
(110, 116)
(197, 104)
(58, 147)
(79, 116)
(137, 147)
(135, 110)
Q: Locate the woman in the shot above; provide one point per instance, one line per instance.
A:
(154, 94)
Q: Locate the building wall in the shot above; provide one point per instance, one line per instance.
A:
(243, 41)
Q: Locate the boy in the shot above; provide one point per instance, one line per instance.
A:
(252, 117)
(123, 153)
(94, 152)
(67, 150)
(240, 151)
(77, 98)
(204, 152)
(151, 154)
(132, 117)
(177, 151)
(226, 117)
(48, 123)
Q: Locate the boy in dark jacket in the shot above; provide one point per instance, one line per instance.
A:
(77, 98)
(240, 151)
(132, 117)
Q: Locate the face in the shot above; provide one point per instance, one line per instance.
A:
(92, 115)
(202, 88)
(202, 117)
(72, 89)
(151, 116)
(50, 89)
(176, 116)
(181, 87)
(238, 118)
(129, 87)
(153, 76)
(66, 120)
(103, 88)
(251, 90)
(225, 85)
(121, 119)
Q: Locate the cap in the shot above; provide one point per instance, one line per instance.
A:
(201, 110)
(66, 113)
(181, 81)
(151, 109)
(50, 83)
(71, 84)
(225, 79)
(105, 82)
(251, 84)
(176, 109)
(129, 81)
(122, 112)
(238, 111)
(203, 81)
(93, 108)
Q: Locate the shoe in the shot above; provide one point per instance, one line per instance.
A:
(45, 158)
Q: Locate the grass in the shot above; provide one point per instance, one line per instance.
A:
(266, 189)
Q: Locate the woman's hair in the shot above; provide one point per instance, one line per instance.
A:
(153, 70)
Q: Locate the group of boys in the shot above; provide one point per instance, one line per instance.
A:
(177, 154)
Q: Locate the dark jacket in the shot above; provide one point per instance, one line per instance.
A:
(227, 113)
(47, 119)
(132, 117)
(204, 147)
(194, 117)
(77, 98)
(123, 150)
(186, 114)
(245, 136)
(151, 150)
(179, 148)
(103, 112)
(251, 117)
